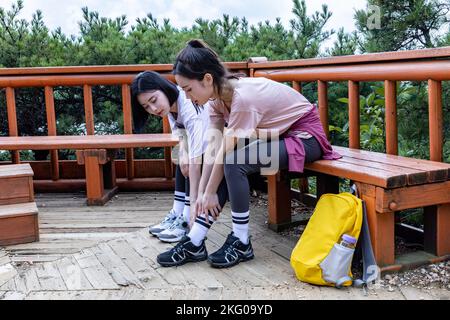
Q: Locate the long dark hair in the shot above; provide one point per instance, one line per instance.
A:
(144, 82)
(197, 59)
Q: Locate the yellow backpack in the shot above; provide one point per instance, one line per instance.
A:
(318, 258)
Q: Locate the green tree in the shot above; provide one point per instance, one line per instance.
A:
(12, 34)
(309, 32)
(404, 24)
(345, 44)
(103, 40)
(149, 42)
(445, 40)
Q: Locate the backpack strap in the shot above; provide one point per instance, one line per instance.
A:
(370, 267)
(341, 281)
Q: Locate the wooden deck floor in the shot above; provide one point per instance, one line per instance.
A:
(107, 253)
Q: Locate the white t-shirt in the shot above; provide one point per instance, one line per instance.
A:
(195, 121)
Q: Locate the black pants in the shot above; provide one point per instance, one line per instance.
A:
(254, 157)
(182, 185)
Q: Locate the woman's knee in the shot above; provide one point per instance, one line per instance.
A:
(231, 170)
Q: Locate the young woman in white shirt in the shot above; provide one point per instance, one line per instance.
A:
(153, 94)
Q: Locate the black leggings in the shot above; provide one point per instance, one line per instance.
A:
(257, 156)
(181, 182)
(182, 185)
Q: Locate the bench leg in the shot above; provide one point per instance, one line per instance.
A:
(326, 184)
(279, 193)
(109, 171)
(437, 229)
(98, 166)
(381, 227)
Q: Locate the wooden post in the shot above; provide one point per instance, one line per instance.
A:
(354, 114)
(436, 120)
(12, 121)
(279, 192)
(297, 86)
(436, 229)
(51, 125)
(88, 110)
(381, 226)
(94, 161)
(323, 105)
(391, 117)
(128, 128)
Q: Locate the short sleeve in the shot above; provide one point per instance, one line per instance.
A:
(173, 125)
(195, 128)
(243, 124)
(216, 115)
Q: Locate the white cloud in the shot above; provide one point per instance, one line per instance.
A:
(182, 13)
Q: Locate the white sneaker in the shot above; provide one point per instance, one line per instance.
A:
(163, 225)
(175, 232)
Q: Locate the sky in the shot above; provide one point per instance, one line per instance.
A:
(182, 13)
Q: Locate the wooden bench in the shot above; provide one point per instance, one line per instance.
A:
(18, 211)
(96, 153)
(387, 184)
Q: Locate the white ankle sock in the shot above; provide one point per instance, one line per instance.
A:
(187, 210)
(178, 202)
(199, 230)
(240, 225)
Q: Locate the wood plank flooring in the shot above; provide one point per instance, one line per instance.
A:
(106, 253)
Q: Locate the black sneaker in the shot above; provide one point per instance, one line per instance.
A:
(184, 251)
(231, 253)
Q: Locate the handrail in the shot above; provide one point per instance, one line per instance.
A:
(435, 53)
(132, 68)
(395, 71)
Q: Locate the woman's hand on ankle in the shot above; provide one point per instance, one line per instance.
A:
(210, 203)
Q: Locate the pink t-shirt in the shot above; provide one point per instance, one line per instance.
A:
(260, 104)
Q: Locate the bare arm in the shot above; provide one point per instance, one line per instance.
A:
(228, 144)
(214, 144)
(210, 202)
(194, 178)
(183, 156)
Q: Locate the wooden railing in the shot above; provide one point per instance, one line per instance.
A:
(432, 65)
(85, 77)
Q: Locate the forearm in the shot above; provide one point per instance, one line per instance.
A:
(206, 174)
(194, 181)
(217, 170)
(215, 179)
(182, 148)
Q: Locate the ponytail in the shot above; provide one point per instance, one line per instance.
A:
(198, 59)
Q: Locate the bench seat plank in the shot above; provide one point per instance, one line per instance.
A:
(88, 142)
(360, 173)
(413, 176)
(437, 171)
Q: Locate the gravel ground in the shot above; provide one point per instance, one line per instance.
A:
(426, 277)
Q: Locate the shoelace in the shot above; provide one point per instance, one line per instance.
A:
(179, 248)
(231, 248)
(177, 224)
(170, 216)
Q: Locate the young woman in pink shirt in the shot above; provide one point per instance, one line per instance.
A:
(266, 125)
